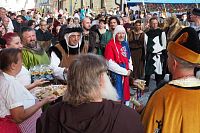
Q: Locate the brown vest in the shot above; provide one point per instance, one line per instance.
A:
(67, 58)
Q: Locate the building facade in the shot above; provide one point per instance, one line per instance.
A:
(71, 5)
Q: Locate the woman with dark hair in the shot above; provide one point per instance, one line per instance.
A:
(100, 31)
(70, 21)
(31, 24)
(18, 107)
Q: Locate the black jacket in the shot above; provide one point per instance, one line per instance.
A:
(43, 36)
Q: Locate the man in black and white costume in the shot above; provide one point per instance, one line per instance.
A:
(155, 40)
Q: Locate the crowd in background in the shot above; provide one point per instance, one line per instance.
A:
(133, 43)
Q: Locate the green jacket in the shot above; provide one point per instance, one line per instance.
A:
(106, 38)
(31, 58)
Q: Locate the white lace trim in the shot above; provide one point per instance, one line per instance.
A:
(186, 82)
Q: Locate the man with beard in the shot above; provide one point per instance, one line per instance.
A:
(32, 53)
(90, 38)
(89, 104)
(112, 22)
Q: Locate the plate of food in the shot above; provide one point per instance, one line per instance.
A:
(42, 92)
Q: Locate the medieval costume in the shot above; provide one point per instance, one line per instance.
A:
(62, 54)
(171, 106)
(100, 33)
(136, 44)
(92, 40)
(155, 40)
(33, 56)
(172, 27)
(95, 117)
(44, 38)
(119, 62)
(105, 39)
(174, 108)
(13, 94)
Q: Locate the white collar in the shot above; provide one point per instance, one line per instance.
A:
(186, 82)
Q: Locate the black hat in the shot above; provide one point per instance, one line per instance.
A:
(65, 29)
(73, 28)
(196, 11)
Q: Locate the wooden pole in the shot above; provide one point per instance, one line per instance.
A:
(105, 5)
(145, 10)
(75, 4)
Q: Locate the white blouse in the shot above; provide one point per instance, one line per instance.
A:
(24, 76)
(13, 94)
(58, 71)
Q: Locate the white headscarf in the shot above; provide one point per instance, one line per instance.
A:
(118, 29)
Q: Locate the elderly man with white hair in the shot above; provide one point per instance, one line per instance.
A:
(89, 104)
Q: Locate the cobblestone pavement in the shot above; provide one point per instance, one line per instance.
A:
(144, 97)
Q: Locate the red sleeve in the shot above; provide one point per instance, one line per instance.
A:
(109, 52)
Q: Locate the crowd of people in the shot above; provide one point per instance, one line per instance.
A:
(99, 58)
